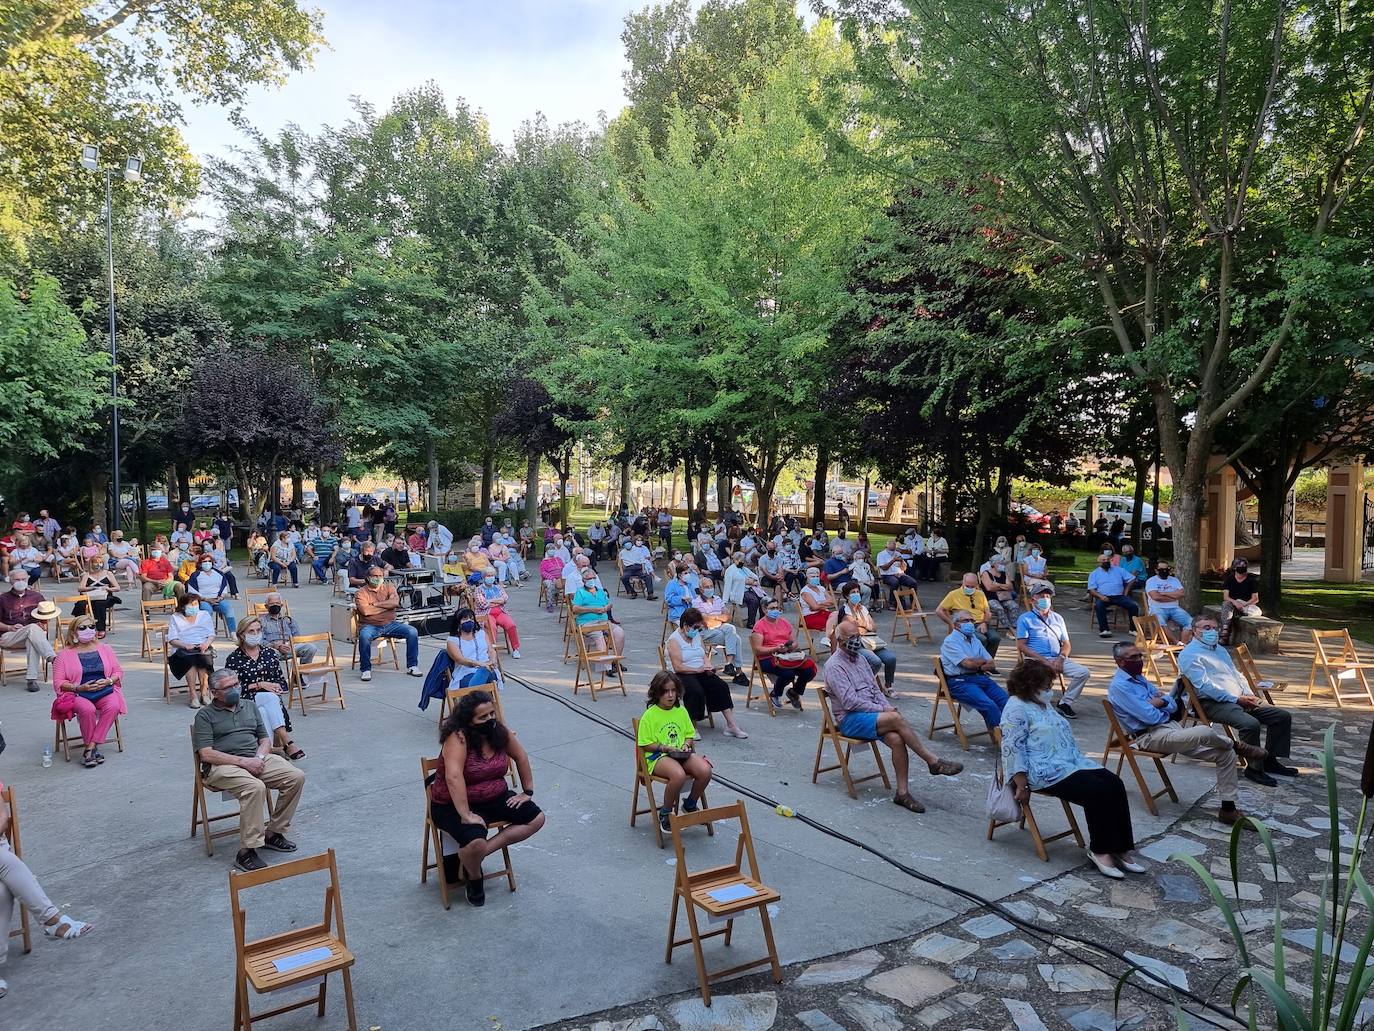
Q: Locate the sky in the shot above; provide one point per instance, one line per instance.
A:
(510, 58)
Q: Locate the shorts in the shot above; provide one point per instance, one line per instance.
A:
(863, 725)
(445, 816)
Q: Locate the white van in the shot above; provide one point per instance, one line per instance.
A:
(1113, 505)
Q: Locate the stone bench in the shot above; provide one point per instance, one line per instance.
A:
(1258, 633)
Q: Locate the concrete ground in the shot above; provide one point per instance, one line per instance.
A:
(585, 930)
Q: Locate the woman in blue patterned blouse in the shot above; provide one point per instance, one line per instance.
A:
(1040, 754)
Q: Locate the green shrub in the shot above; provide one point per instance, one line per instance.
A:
(1311, 489)
(463, 522)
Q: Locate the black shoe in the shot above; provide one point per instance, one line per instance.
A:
(688, 806)
(278, 843)
(740, 678)
(476, 888)
(651, 597)
(32, 687)
(1066, 710)
(1277, 768)
(1257, 775)
(248, 861)
(664, 818)
(794, 699)
(729, 669)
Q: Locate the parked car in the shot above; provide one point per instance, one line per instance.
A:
(310, 498)
(156, 502)
(1113, 505)
(1030, 516)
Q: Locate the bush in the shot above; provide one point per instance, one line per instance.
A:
(463, 522)
(1311, 489)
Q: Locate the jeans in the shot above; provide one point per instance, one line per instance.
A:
(318, 567)
(882, 659)
(224, 609)
(477, 678)
(1173, 614)
(277, 571)
(899, 581)
(638, 572)
(979, 691)
(727, 637)
(1121, 601)
(368, 633)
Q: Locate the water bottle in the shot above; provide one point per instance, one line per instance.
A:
(47, 757)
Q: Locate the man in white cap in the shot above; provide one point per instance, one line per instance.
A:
(23, 624)
(1041, 636)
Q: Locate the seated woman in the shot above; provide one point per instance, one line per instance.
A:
(551, 573)
(1040, 754)
(875, 649)
(89, 684)
(592, 605)
(665, 737)
(17, 882)
(476, 559)
(257, 551)
(816, 602)
(123, 557)
(190, 633)
(500, 559)
(469, 789)
(1033, 568)
(282, 558)
(264, 682)
(702, 690)
(998, 586)
(494, 598)
(467, 647)
(99, 584)
(203, 533)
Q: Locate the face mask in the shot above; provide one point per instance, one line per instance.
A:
(707, 592)
(966, 628)
(739, 561)
(1133, 666)
(677, 556)
(86, 634)
(467, 626)
(156, 553)
(1163, 574)
(774, 613)
(1209, 637)
(691, 634)
(274, 610)
(855, 598)
(1127, 554)
(969, 591)
(1045, 696)
(252, 640)
(1000, 566)
(853, 646)
(206, 566)
(489, 580)
(231, 696)
(589, 585)
(1043, 604)
(1105, 564)
(1035, 552)
(487, 729)
(374, 581)
(1241, 570)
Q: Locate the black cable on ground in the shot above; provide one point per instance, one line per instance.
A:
(1044, 935)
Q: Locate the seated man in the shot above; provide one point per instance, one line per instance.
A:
(968, 667)
(397, 553)
(771, 572)
(861, 711)
(181, 535)
(1151, 718)
(363, 562)
(1042, 637)
(969, 597)
(23, 624)
(772, 637)
(235, 753)
(893, 568)
(321, 554)
(1133, 566)
(1108, 584)
(156, 574)
(279, 631)
(1163, 594)
(937, 551)
(1226, 698)
(376, 603)
(637, 563)
(717, 629)
(572, 571)
(27, 557)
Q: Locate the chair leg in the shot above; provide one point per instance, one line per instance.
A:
(672, 928)
(882, 767)
(772, 947)
(1145, 791)
(1073, 823)
(1029, 818)
(348, 999)
(696, 950)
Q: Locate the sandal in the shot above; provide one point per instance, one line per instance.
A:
(945, 768)
(907, 802)
(99, 757)
(299, 752)
(88, 760)
(67, 929)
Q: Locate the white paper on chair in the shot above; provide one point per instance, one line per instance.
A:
(732, 893)
(301, 959)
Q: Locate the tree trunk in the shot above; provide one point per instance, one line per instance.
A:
(986, 504)
(183, 482)
(818, 493)
(142, 510)
(488, 474)
(99, 485)
(687, 480)
(173, 498)
(1142, 475)
(564, 471)
(722, 492)
(671, 503)
(1273, 504)
(248, 493)
(432, 461)
(298, 491)
(863, 504)
(625, 482)
(532, 488)
(704, 486)
(1184, 513)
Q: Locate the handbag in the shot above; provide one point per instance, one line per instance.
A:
(1002, 804)
(95, 696)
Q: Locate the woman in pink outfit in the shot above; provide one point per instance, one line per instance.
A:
(89, 684)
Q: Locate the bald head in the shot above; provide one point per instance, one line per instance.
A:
(970, 580)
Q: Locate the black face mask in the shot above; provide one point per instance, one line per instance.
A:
(487, 729)
(274, 610)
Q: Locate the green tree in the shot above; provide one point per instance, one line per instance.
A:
(1180, 160)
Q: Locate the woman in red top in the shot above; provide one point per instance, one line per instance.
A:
(469, 789)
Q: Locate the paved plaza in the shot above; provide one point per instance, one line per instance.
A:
(585, 930)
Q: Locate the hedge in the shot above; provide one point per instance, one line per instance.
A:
(463, 522)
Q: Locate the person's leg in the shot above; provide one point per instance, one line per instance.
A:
(700, 771)
(979, 693)
(875, 661)
(252, 796)
(992, 640)
(1103, 798)
(106, 711)
(889, 660)
(1207, 744)
(627, 581)
(1100, 609)
(86, 719)
(366, 634)
(1245, 724)
(287, 781)
(677, 777)
(693, 696)
(100, 610)
(295, 578)
(269, 708)
(1128, 603)
(730, 642)
(227, 611)
(781, 675)
(38, 649)
(647, 573)
(1278, 729)
(524, 822)
(317, 567)
(892, 722)
(901, 762)
(17, 882)
(805, 673)
(504, 621)
(1076, 675)
(412, 639)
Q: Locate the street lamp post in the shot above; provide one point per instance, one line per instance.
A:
(132, 171)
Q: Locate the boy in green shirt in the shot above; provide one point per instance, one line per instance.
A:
(666, 736)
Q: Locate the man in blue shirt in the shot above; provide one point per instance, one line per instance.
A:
(1151, 718)
(1226, 698)
(1132, 565)
(1110, 585)
(1041, 636)
(967, 667)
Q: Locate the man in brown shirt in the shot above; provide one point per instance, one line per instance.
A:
(376, 603)
(19, 628)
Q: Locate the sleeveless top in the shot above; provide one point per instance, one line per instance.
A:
(485, 777)
(1035, 566)
(92, 666)
(693, 652)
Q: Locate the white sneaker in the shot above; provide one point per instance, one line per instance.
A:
(367, 675)
(515, 654)
(735, 733)
(414, 671)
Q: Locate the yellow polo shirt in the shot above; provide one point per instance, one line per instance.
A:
(956, 600)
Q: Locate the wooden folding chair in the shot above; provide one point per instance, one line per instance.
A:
(59, 625)
(1150, 635)
(907, 606)
(596, 679)
(620, 584)
(1114, 613)
(844, 749)
(1119, 741)
(322, 666)
(720, 894)
(1265, 689)
(256, 962)
(252, 593)
(66, 740)
(1340, 668)
(1027, 820)
(956, 709)
(7, 801)
(644, 779)
(200, 806)
(379, 644)
(433, 836)
(168, 684)
(806, 632)
(453, 695)
(155, 616)
(1162, 665)
(757, 678)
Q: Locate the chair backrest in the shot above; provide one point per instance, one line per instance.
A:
(427, 768)
(333, 906)
(1194, 701)
(1245, 662)
(828, 724)
(1329, 656)
(583, 630)
(12, 832)
(457, 694)
(1116, 734)
(155, 608)
(259, 608)
(940, 674)
(744, 846)
(321, 638)
(1148, 632)
(641, 765)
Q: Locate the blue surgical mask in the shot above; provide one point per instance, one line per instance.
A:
(707, 592)
(691, 634)
(966, 628)
(774, 613)
(1043, 604)
(1046, 695)
(1209, 637)
(489, 580)
(855, 598)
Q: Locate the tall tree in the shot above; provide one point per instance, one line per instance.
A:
(1171, 155)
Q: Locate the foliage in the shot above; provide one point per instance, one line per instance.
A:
(1311, 488)
(462, 522)
(52, 383)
